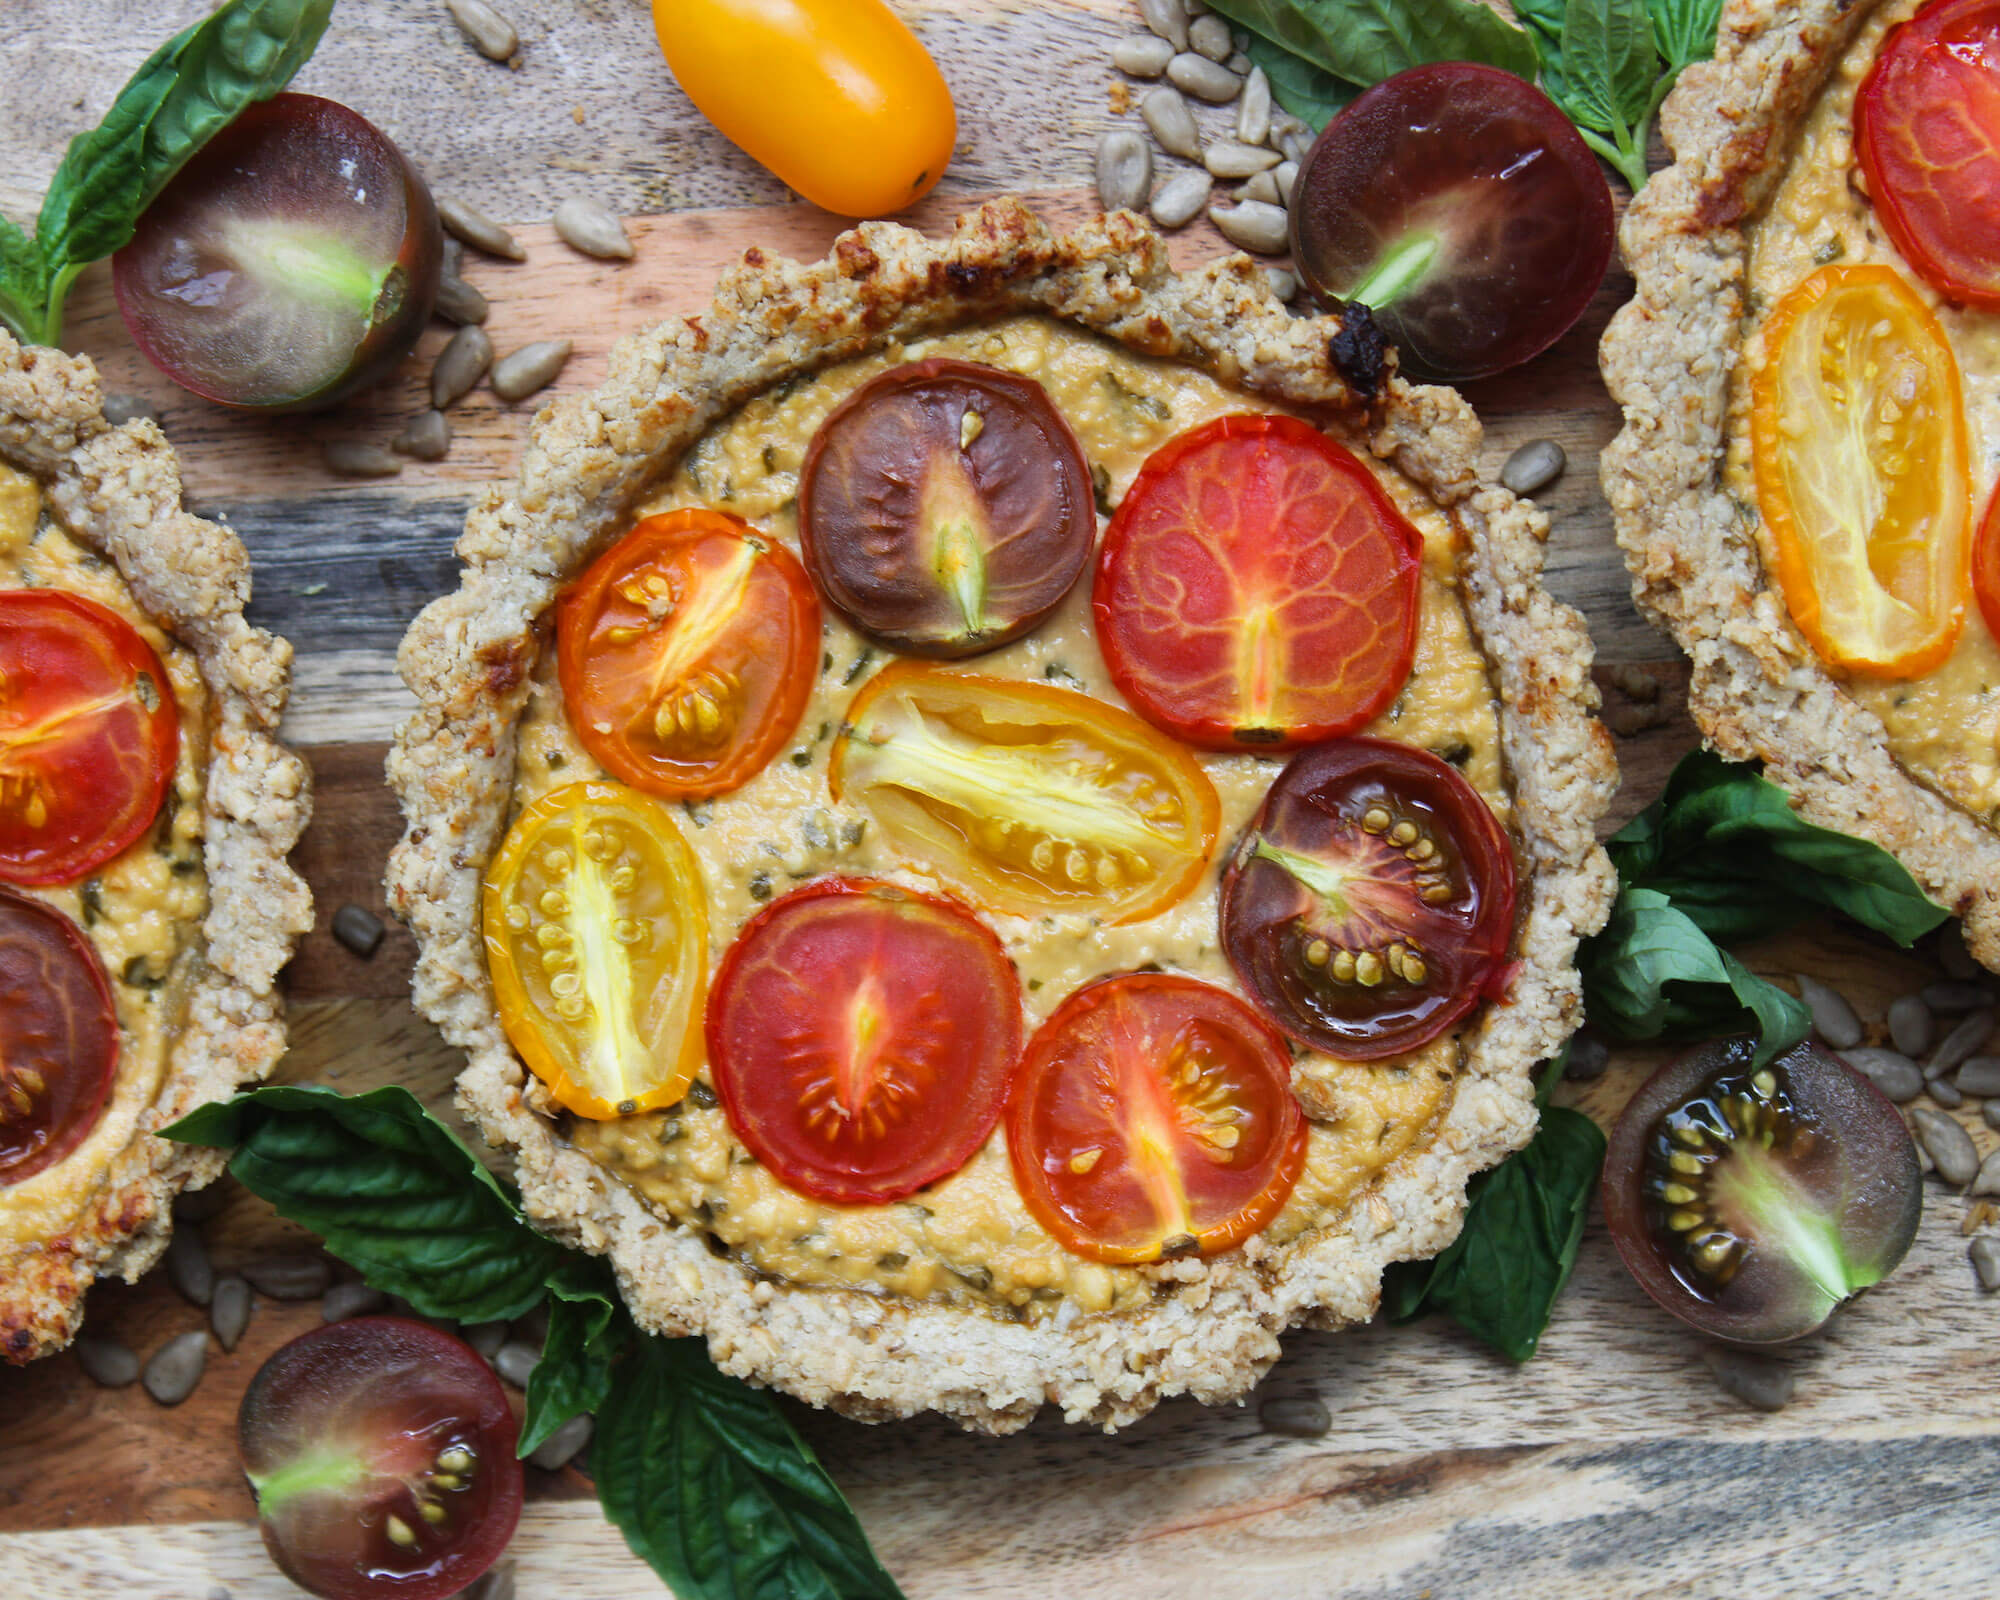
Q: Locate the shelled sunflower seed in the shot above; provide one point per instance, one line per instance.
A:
(1182, 198)
(460, 365)
(426, 437)
(1760, 1382)
(529, 369)
(516, 1361)
(1985, 1255)
(1143, 55)
(1287, 175)
(229, 1311)
(1532, 468)
(1254, 226)
(1979, 1075)
(592, 227)
(1227, 158)
(1894, 1073)
(175, 1368)
(1832, 1016)
(1283, 284)
(1911, 1025)
(561, 1447)
(457, 301)
(109, 1363)
(1965, 1039)
(1124, 170)
(479, 230)
(120, 409)
(1253, 111)
(1166, 113)
(1208, 35)
(1948, 1145)
(1263, 186)
(1204, 79)
(1290, 1417)
(1987, 1179)
(298, 1277)
(356, 458)
(188, 1268)
(1168, 19)
(352, 1299)
(492, 35)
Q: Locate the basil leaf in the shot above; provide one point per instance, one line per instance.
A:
(1365, 41)
(1312, 94)
(1685, 29)
(1610, 64)
(24, 281)
(586, 1334)
(708, 1483)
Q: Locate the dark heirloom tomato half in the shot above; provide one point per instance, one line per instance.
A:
(1257, 587)
(861, 1038)
(687, 652)
(89, 732)
(1371, 902)
(1927, 130)
(946, 507)
(58, 1037)
(1154, 1117)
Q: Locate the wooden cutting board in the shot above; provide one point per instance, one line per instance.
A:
(1612, 1465)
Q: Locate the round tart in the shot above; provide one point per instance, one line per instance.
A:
(993, 860)
(146, 809)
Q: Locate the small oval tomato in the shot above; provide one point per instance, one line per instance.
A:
(1370, 904)
(1256, 587)
(89, 732)
(687, 652)
(1153, 1116)
(945, 507)
(861, 1038)
(381, 1453)
(596, 923)
(836, 97)
(58, 1037)
(1927, 130)
(1857, 432)
(1025, 797)
(1986, 564)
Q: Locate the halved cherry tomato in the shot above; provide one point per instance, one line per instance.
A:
(1154, 1117)
(88, 735)
(1370, 904)
(1857, 430)
(1025, 797)
(687, 652)
(58, 1037)
(596, 923)
(1986, 564)
(1257, 587)
(861, 1038)
(1927, 130)
(945, 507)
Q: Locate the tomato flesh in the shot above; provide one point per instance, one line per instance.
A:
(59, 1037)
(1257, 588)
(861, 1038)
(1153, 1117)
(686, 653)
(1986, 564)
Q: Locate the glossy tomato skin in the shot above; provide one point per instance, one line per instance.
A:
(1370, 903)
(59, 1039)
(368, 1420)
(1927, 131)
(1256, 588)
(687, 652)
(1986, 564)
(861, 1037)
(76, 790)
(837, 97)
(1153, 1117)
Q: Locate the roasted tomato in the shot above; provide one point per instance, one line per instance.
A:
(945, 508)
(58, 1037)
(1371, 902)
(1027, 798)
(1927, 130)
(1857, 429)
(861, 1038)
(687, 652)
(596, 923)
(1154, 1117)
(1257, 588)
(89, 733)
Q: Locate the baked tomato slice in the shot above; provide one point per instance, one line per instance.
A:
(1024, 797)
(946, 508)
(686, 653)
(1154, 1117)
(89, 732)
(58, 1037)
(861, 1038)
(1858, 438)
(1927, 130)
(1257, 588)
(1370, 904)
(596, 923)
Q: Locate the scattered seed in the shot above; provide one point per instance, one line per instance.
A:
(229, 1311)
(1635, 683)
(1239, 64)
(1957, 961)
(353, 458)
(356, 927)
(460, 364)
(1167, 114)
(492, 35)
(351, 1299)
(1261, 228)
(176, 1367)
(1168, 19)
(1948, 1144)
(1629, 720)
(1181, 198)
(120, 409)
(197, 1206)
(1987, 1179)
(1283, 284)
(1985, 1254)
(1295, 144)
(1299, 1418)
(1832, 1016)
(1124, 172)
(1209, 35)
(1894, 1073)
(1287, 175)
(290, 1277)
(1979, 1075)
(427, 436)
(1945, 1093)
(459, 302)
(561, 1447)
(1588, 1057)
(1912, 1027)
(1253, 112)
(453, 258)
(188, 1268)
(1228, 159)
(1536, 465)
(479, 230)
(529, 369)
(1950, 998)
(487, 1338)
(1964, 1040)
(1758, 1381)
(1264, 187)
(515, 1361)
(105, 1361)
(1144, 55)
(592, 227)
(1282, 123)
(1204, 79)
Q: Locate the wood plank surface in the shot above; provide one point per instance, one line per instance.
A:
(1612, 1465)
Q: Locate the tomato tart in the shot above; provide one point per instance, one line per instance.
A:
(1805, 484)
(146, 810)
(1001, 824)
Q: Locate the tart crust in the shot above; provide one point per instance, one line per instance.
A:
(1211, 1328)
(1757, 690)
(118, 491)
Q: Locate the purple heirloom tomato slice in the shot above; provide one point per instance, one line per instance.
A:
(58, 1037)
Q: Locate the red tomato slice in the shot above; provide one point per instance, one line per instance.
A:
(1927, 130)
(88, 735)
(687, 652)
(1257, 588)
(58, 1037)
(861, 1038)
(1154, 1117)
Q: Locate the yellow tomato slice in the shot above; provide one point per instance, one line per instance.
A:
(1857, 429)
(1025, 797)
(596, 922)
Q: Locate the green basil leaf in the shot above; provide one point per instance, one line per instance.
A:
(24, 282)
(1685, 29)
(1312, 94)
(1609, 65)
(586, 1335)
(1365, 41)
(708, 1483)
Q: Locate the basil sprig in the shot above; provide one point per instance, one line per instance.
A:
(704, 1476)
(187, 91)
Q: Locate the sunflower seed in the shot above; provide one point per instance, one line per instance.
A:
(453, 259)
(1987, 1179)
(487, 1337)
(1972, 1032)
(1287, 174)
(1979, 1075)
(1254, 226)
(1296, 144)
(1239, 64)
(479, 230)
(1204, 79)
(459, 302)
(1758, 1381)
(1299, 1418)
(107, 1362)
(188, 1268)
(289, 1277)
(229, 1311)
(1948, 1144)
(355, 458)
(1894, 1073)
(1196, 8)
(1167, 18)
(356, 927)
(1124, 171)
(560, 1448)
(1283, 284)
(1957, 961)
(1831, 1014)
(1950, 998)
(1228, 159)
(1181, 198)
(176, 1367)
(1253, 113)
(120, 409)
(1945, 1093)
(1144, 55)
(352, 1299)
(427, 436)
(1262, 187)
(460, 365)
(1167, 114)
(1911, 1025)
(592, 227)
(1985, 1254)
(515, 1361)
(492, 35)
(1210, 36)
(1536, 465)
(533, 367)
